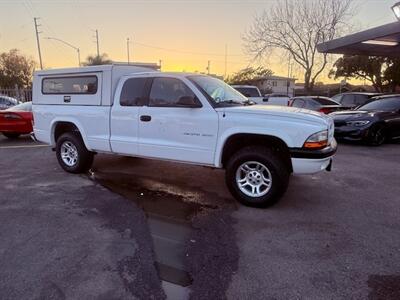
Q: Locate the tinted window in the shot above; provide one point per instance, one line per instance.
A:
(324, 101)
(27, 106)
(388, 104)
(298, 103)
(249, 92)
(361, 99)
(132, 92)
(70, 85)
(348, 100)
(337, 98)
(168, 92)
(312, 104)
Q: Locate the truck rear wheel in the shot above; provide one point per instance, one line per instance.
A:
(72, 154)
(257, 176)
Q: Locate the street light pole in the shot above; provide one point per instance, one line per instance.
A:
(69, 45)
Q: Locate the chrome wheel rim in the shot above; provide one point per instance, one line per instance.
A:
(253, 179)
(69, 154)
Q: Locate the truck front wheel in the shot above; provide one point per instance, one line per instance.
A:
(257, 176)
(72, 154)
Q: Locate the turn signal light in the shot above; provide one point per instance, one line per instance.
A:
(315, 145)
(317, 141)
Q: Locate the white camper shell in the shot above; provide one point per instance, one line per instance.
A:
(91, 86)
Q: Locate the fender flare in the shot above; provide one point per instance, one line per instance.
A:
(73, 121)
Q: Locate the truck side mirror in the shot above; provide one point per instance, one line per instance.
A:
(189, 101)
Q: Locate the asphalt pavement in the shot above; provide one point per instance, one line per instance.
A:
(104, 235)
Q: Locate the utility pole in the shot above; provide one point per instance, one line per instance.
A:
(38, 42)
(226, 60)
(97, 42)
(160, 63)
(127, 48)
(208, 67)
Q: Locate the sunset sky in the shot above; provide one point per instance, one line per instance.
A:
(183, 34)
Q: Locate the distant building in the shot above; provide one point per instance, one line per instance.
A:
(275, 85)
(332, 89)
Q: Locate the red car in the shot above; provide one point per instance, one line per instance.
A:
(16, 120)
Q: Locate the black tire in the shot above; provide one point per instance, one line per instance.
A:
(278, 171)
(377, 135)
(84, 157)
(11, 135)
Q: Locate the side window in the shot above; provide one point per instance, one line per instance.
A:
(312, 104)
(299, 103)
(169, 92)
(132, 93)
(70, 85)
(361, 99)
(348, 100)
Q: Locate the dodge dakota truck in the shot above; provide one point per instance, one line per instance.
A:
(180, 117)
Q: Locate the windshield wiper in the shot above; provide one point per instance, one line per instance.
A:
(247, 102)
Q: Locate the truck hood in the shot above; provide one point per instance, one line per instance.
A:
(281, 111)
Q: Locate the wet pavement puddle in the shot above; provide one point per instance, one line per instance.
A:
(169, 210)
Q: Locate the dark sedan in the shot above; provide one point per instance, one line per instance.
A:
(317, 103)
(374, 122)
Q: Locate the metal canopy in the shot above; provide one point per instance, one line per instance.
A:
(379, 41)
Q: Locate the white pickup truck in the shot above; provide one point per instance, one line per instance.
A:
(180, 117)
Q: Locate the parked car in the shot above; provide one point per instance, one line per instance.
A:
(6, 102)
(277, 99)
(181, 117)
(16, 120)
(374, 122)
(353, 100)
(317, 103)
(250, 92)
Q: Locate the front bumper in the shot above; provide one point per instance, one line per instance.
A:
(312, 161)
(351, 133)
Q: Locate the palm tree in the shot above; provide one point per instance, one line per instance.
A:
(94, 60)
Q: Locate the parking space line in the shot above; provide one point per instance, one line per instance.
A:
(23, 146)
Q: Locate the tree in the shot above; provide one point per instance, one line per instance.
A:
(297, 27)
(94, 60)
(247, 75)
(15, 69)
(383, 73)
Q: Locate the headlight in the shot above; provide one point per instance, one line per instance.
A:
(357, 123)
(318, 140)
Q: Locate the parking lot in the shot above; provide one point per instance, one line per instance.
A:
(135, 228)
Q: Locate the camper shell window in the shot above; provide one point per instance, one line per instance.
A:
(70, 85)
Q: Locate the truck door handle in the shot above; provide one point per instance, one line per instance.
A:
(67, 99)
(145, 118)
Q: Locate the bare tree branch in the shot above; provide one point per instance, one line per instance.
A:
(297, 27)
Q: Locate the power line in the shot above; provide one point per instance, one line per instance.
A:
(187, 52)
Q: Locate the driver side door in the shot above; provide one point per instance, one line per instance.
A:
(171, 130)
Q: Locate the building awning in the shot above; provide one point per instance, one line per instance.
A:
(379, 41)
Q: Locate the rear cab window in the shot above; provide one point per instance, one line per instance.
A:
(134, 92)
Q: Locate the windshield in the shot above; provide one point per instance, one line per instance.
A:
(386, 104)
(248, 92)
(218, 91)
